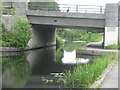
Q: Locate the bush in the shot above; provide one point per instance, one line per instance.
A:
(19, 70)
(77, 34)
(19, 34)
(59, 41)
(92, 37)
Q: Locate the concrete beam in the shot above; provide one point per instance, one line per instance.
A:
(67, 21)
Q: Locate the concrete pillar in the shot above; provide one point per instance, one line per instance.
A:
(111, 24)
(20, 8)
(42, 35)
(119, 24)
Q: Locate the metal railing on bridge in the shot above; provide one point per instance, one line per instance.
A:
(68, 8)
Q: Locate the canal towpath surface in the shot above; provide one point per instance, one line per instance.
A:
(102, 50)
(111, 80)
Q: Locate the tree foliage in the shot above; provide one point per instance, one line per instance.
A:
(77, 34)
(19, 34)
(47, 6)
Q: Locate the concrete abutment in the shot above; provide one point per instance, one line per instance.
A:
(42, 35)
(111, 25)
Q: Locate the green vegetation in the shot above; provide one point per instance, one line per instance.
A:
(92, 37)
(59, 55)
(70, 46)
(119, 46)
(112, 47)
(48, 6)
(83, 35)
(19, 34)
(86, 75)
(59, 42)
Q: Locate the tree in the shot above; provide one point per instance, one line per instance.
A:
(47, 6)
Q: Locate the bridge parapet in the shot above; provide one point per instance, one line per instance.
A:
(65, 14)
(99, 9)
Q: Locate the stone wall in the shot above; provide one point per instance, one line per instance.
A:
(8, 21)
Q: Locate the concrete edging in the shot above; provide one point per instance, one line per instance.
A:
(98, 83)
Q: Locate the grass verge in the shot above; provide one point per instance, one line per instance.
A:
(85, 75)
(115, 47)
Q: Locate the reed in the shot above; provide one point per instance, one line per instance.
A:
(82, 76)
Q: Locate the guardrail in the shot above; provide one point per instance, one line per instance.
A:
(8, 8)
(68, 8)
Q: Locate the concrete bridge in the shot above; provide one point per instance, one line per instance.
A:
(45, 22)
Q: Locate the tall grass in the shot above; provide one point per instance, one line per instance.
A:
(86, 75)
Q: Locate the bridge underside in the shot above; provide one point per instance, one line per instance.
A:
(42, 36)
(45, 35)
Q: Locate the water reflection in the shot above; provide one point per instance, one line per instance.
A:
(73, 58)
(44, 65)
(15, 71)
(0, 73)
(73, 45)
(41, 68)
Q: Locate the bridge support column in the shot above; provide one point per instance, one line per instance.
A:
(111, 25)
(42, 35)
(119, 25)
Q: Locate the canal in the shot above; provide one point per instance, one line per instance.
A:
(41, 68)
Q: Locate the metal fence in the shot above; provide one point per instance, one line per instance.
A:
(69, 8)
(8, 8)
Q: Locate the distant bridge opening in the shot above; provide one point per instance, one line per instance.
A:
(82, 35)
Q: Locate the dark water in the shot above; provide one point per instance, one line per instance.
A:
(41, 68)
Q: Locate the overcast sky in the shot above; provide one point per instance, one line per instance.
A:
(87, 2)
